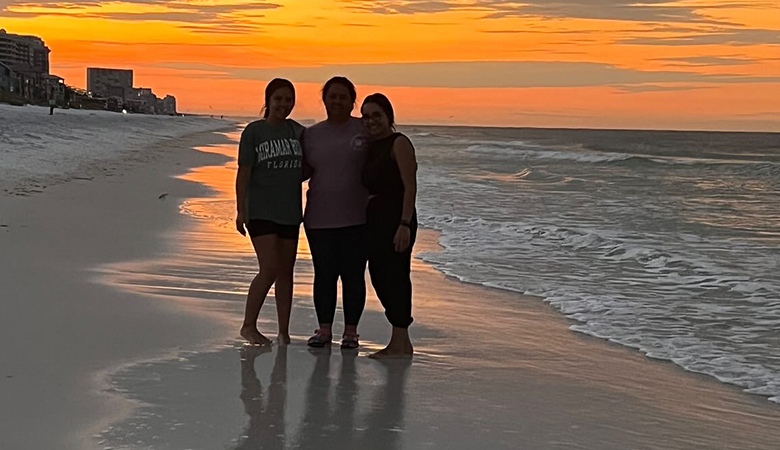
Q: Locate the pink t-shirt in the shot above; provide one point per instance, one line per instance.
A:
(336, 153)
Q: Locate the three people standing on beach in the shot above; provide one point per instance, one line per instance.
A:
(360, 207)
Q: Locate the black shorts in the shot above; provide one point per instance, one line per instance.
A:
(264, 227)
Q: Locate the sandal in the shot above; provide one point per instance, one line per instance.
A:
(319, 339)
(350, 341)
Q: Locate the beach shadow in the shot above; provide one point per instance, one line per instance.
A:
(344, 420)
(385, 424)
(333, 412)
(328, 420)
(266, 429)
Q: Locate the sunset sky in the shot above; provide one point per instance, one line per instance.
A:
(699, 64)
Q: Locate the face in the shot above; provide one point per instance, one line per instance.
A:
(281, 103)
(376, 121)
(338, 103)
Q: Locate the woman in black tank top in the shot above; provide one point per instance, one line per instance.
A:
(390, 177)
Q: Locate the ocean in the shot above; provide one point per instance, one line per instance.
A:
(666, 242)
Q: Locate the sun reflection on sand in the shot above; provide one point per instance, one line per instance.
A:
(208, 259)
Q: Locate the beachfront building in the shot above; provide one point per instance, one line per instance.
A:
(115, 87)
(168, 105)
(141, 100)
(28, 58)
(9, 81)
(107, 83)
(55, 88)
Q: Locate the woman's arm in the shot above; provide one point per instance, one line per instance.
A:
(403, 152)
(243, 177)
(307, 168)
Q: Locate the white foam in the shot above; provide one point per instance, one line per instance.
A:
(707, 302)
(524, 150)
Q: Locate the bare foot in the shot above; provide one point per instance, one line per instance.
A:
(406, 352)
(250, 352)
(253, 336)
(283, 339)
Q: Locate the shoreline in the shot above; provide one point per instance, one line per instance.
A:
(492, 367)
(82, 329)
(555, 389)
(587, 336)
(626, 399)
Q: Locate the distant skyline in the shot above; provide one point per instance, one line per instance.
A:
(691, 64)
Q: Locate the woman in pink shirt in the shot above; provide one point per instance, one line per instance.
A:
(335, 216)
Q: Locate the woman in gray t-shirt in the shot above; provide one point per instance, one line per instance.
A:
(268, 199)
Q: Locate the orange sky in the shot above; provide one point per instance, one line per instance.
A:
(698, 64)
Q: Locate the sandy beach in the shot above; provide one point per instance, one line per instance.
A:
(121, 300)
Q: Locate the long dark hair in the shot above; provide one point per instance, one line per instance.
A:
(342, 81)
(273, 86)
(383, 102)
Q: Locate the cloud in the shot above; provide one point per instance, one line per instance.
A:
(174, 11)
(495, 74)
(721, 37)
(657, 88)
(184, 4)
(629, 10)
(709, 61)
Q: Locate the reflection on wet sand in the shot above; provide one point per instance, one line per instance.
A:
(266, 428)
(332, 416)
(385, 420)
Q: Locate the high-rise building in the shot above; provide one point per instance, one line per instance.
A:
(28, 57)
(24, 53)
(109, 82)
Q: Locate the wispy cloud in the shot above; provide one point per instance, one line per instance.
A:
(498, 74)
(201, 16)
(706, 61)
(629, 10)
(658, 88)
(723, 37)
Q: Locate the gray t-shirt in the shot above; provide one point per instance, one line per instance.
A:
(275, 155)
(336, 154)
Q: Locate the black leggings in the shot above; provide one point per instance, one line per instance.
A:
(339, 252)
(390, 269)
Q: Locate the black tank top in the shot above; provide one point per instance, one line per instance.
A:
(381, 175)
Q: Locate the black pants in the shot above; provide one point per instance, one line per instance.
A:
(339, 252)
(390, 269)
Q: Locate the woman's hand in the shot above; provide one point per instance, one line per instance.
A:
(401, 240)
(240, 222)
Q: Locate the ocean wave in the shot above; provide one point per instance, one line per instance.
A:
(656, 298)
(529, 151)
(521, 149)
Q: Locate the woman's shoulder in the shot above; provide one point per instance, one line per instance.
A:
(297, 128)
(400, 137)
(295, 124)
(255, 125)
(402, 141)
